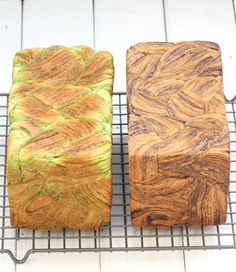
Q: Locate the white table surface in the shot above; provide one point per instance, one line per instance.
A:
(114, 25)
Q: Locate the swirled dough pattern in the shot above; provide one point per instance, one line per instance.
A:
(59, 152)
(178, 134)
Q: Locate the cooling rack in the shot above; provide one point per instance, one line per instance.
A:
(119, 235)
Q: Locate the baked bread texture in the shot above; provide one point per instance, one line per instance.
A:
(179, 158)
(59, 148)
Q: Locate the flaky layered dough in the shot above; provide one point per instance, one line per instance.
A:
(59, 148)
(178, 134)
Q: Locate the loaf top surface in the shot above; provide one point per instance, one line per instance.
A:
(60, 75)
(59, 151)
(181, 60)
(176, 105)
(77, 65)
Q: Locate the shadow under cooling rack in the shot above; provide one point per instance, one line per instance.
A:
(119, 235)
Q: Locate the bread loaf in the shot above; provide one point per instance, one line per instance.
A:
(179, 157)
(59, 148)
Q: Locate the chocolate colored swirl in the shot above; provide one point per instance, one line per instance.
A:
(178, 134)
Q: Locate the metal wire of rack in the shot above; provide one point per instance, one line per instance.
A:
(119, 235)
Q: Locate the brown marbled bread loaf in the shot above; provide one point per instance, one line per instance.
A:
(59, 149)
(179, 158)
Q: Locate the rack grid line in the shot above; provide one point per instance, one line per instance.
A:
(119, 235)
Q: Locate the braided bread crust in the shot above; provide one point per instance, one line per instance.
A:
(178, 134)
(59, 152)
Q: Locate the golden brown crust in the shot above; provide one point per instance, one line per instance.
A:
(59, 152)
(178, 134)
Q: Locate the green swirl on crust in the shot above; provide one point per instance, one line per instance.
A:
(59, 153)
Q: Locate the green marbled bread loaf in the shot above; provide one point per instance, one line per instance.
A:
(59, 149)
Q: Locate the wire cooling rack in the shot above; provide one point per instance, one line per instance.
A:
(119, 235)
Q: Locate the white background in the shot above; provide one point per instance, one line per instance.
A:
(114, 25)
